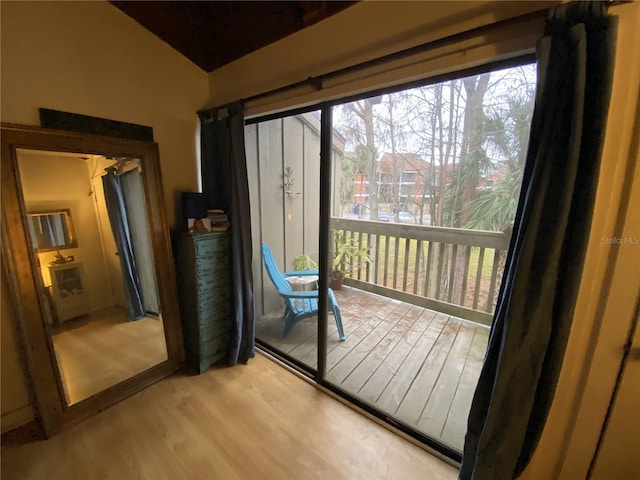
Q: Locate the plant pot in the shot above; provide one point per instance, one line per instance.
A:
(335, 283)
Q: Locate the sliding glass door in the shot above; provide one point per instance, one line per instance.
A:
(412, 207)
(283, 156)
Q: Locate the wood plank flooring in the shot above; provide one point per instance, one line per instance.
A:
(253, 421)
(419, 365)
(97, 351)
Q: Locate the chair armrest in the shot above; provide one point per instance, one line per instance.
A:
(301, 294)
(300, 273)
(306, 294)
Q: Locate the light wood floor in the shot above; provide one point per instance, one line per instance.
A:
(418, 365)
(102, 349)
(254, 421)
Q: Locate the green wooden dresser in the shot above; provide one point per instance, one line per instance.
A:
(204, 287)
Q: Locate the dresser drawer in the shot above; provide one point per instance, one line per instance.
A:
(211, 281)
(215, 342)
(215, 301)
(218, 347)
(213, 263)
(212, 332)
(217, 352)
(207, 244)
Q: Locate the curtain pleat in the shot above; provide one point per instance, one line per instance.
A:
(226, 185)
(537, 298)
(120, 227)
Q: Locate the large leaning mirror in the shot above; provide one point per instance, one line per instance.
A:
(86, 248)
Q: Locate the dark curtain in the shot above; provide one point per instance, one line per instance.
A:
(120, 228)
(537, 298)
(225, 183)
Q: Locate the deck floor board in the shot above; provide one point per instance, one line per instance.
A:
(397, 389)
(456, 425)
(377, 383)
(342, 370)
(376, 357)
(436, 410)
(424, 381)
(416, 364)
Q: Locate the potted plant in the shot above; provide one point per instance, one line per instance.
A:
(304, 262)
(346, 257)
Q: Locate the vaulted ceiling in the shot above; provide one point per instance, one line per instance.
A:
(214, 33)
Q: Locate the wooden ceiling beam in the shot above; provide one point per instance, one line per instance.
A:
(214, 33)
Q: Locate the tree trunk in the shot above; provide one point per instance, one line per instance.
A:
(396, 167)
(470, 158)
(372, 188)
(436, 113)
(475, 88)
(451, 142)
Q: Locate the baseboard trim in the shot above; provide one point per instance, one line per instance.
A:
(29, 432)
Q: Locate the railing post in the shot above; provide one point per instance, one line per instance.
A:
(443, 246)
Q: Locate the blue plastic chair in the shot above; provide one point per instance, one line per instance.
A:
(298, 305)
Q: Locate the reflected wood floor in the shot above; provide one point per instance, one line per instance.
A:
(99, 350)
(253, 421)
(416, 364)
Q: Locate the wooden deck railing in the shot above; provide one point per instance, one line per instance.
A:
(451, 270)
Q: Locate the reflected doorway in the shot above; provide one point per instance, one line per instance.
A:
(103, 315)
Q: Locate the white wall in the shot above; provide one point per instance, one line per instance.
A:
(90, 58)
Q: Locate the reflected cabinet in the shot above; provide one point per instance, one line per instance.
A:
(67, 290)
(204, 286)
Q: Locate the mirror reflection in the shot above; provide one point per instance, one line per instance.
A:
(98, 275)
(51, 230)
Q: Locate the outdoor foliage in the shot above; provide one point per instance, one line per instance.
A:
(304, 261)
(347, 256)
(470, 135)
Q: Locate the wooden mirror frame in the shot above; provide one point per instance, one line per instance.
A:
(23, 274)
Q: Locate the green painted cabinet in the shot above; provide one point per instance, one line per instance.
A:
(204, 287)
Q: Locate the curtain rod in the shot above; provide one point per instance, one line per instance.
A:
(316, 82)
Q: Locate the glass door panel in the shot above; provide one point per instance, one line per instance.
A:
(283, 159)
(416, 174)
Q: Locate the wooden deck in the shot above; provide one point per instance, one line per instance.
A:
(418, 365)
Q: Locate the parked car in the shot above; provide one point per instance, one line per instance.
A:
(406, 217)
